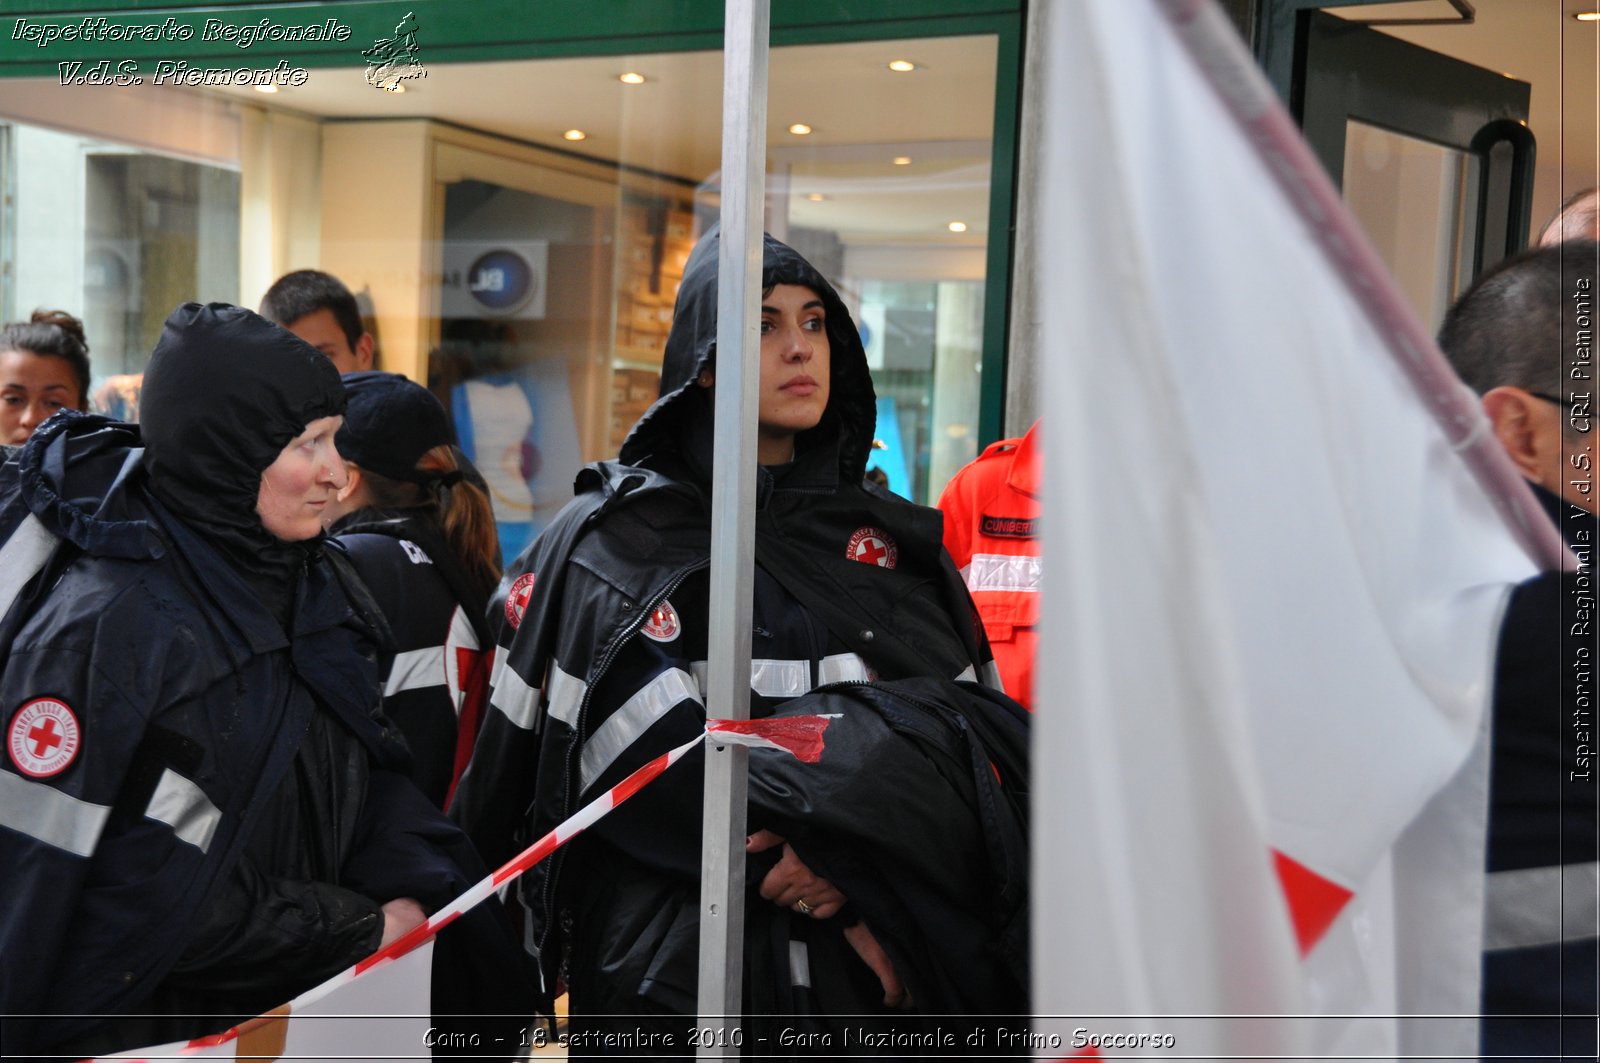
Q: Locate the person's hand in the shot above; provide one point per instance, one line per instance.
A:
(401, 916)
(791, 884)
(895, 994)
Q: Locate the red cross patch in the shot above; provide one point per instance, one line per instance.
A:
(872, 546)
(517, 599)
(662, 624)
(44, 738)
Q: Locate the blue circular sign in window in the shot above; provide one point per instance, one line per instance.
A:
(501, 281)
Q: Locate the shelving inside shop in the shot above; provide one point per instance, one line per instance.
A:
(655, 236)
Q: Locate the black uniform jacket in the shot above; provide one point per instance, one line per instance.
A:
(200, 812)
(858, 611)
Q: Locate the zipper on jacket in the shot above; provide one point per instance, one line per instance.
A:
(547, 899)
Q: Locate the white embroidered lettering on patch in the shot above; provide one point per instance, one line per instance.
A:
(44, 738)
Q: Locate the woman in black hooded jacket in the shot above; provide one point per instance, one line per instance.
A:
(204, 813)
(880, 879)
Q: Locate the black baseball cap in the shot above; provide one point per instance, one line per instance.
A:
(390, 422)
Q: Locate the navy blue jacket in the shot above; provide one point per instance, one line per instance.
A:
(199, 810)
(1540, 960)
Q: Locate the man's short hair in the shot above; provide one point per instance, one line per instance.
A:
(1519, 324)
(1578, 218)
(305, 291)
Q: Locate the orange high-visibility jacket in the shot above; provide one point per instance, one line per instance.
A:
(991, 528)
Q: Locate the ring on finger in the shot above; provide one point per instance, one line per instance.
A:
(802, 907)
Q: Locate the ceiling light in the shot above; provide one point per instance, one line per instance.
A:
(1587, 16)
(269, 89)
(902, 160)
(631, 78)
(957, 226)
(800, 129)
(397, 87)
(902, 66)
(816, 197)
(574, 134)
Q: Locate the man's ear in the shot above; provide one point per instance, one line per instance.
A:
(1519, 423)
(363, 351)
(352, 482)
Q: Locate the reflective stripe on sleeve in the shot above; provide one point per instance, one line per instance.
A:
(1002, 572)
(21, 558)
(566, 696)
(633, 718)
(1541, 906)
(842, 668)
(415, 670)
(184, 807)
(511, 696)
(46, 814)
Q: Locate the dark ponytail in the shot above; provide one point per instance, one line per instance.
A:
(460, 506)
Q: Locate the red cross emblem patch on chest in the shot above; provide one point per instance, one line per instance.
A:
(517, 599)
(44, 738)
(662, 624)
(872, 546)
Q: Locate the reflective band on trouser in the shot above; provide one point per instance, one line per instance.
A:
(511, 696)
(23, 555)
(46, 814)
(184, 807)
(632, 719)
(416, 670)
(1541, 906)
(799, 964)
(1002, 572)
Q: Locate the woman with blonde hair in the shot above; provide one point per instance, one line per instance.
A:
(423, 539)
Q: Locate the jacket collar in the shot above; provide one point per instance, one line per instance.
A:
(1025, 463)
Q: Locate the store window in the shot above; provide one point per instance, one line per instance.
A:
(519, 229)
(116, 236)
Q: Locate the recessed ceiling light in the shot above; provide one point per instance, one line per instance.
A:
(631, 78)
(574, 134)
(816, 197)
(397, 87)
(1587, 16)
(800, 129)
(269, 89)
(902, 66)
(902, 160)
(957, 226)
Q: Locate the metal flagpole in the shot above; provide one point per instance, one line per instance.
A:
(733, 501)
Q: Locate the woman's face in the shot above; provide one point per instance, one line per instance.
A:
(794, 369)
(298, 487)
(32, 387)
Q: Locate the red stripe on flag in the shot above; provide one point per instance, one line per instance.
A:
(1314, 902)
(800, 735)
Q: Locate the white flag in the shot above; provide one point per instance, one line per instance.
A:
(1272, 584)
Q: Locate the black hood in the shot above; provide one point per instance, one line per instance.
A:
(225, 392)
(680, 420)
